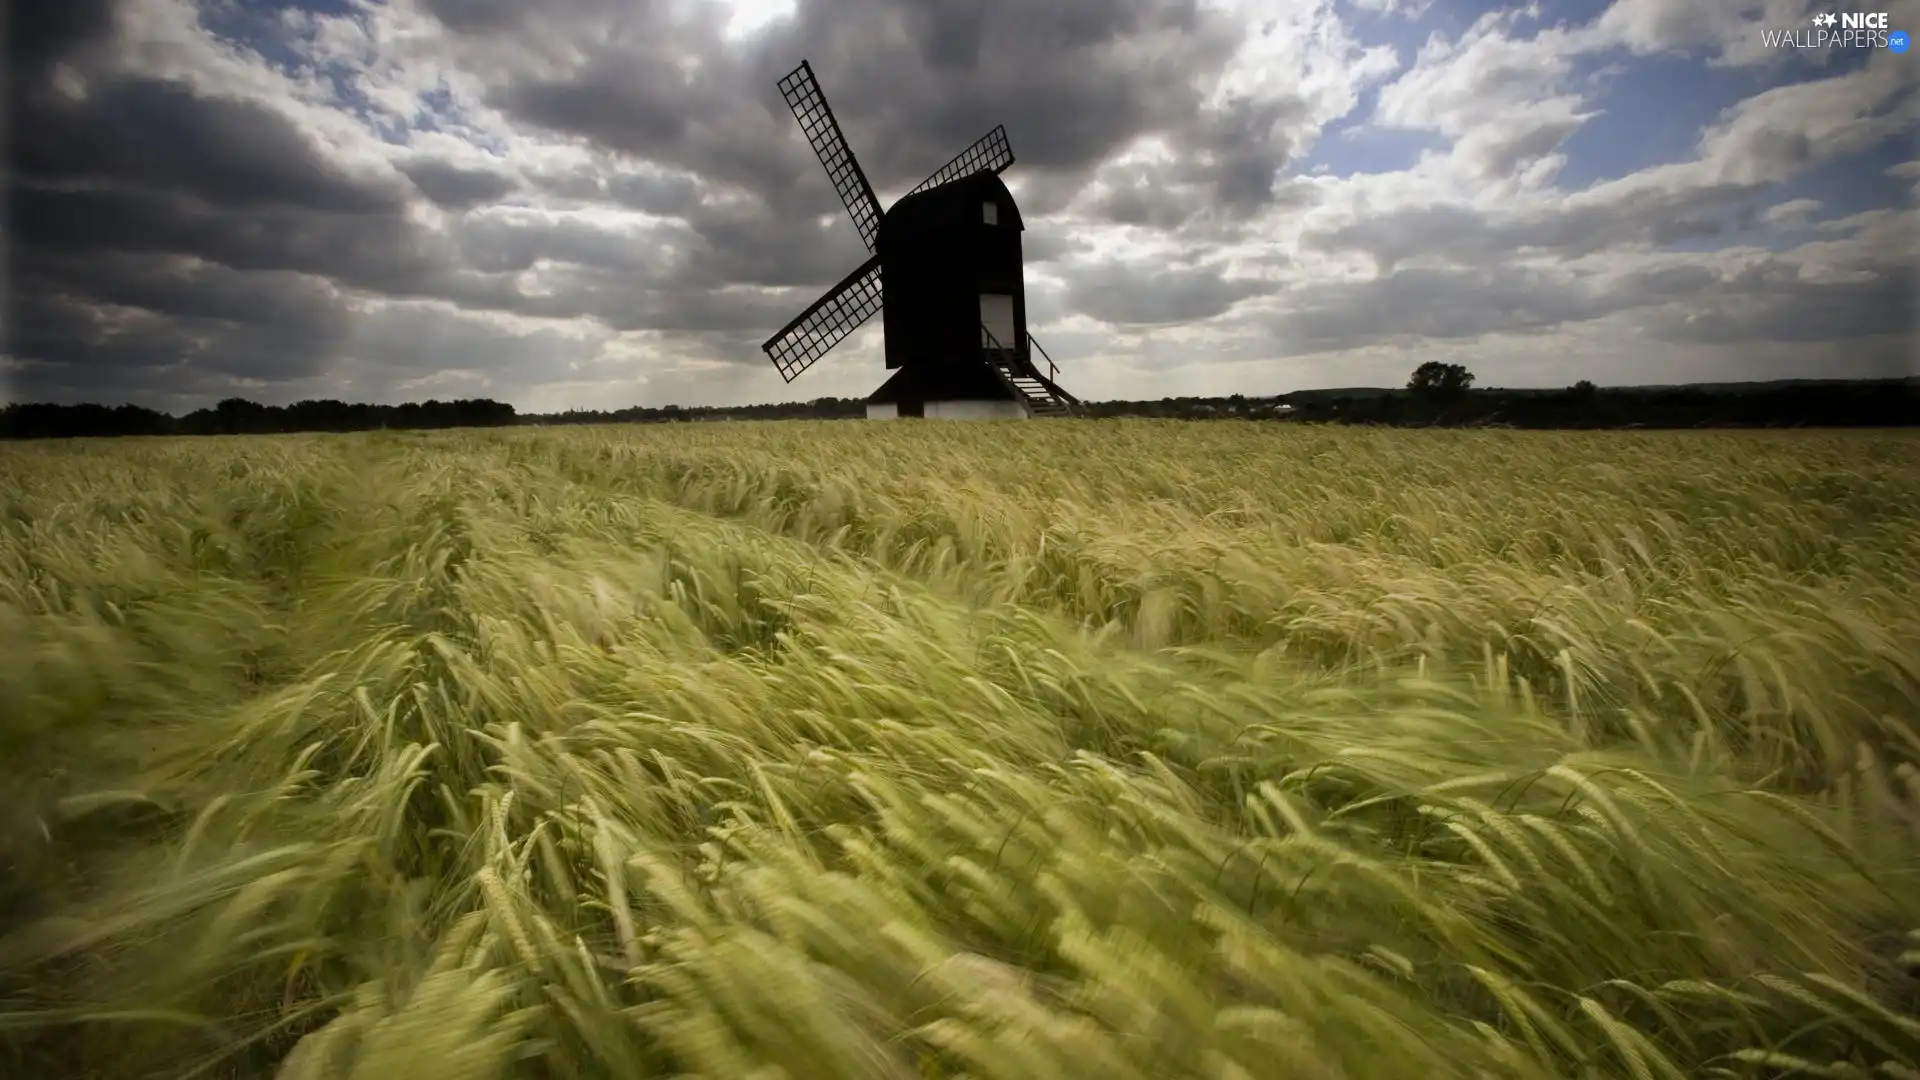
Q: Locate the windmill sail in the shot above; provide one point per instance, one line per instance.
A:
(809, 107)
(990, 152)
(828, 322)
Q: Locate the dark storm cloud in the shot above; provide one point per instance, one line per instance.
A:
(1143, 296)
(747, 317)
(1775, 303)
(912, 84)
(512, 242)
(1051, 247)
(674, 196)
(1671, 282)
(157, 228)
(741, 247)
(1502, 153)
(454, 188)
(40, 34)
(380, 253)
(1576, 227)
(634, 92)
(157, 232)
(1676, 230)
(162, 135)
(133, 322)
(721, 248)
(1412, 305)
(1073, 80)
(404, 341)
(221, 218)
(1209, 190)
(1145, 204)
(480, 16)
(305, 306)
(1769, 302)
(168, 234)
(1242, 151)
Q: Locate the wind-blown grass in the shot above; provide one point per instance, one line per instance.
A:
(830, 750)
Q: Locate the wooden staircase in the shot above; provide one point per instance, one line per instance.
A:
(1037, 393)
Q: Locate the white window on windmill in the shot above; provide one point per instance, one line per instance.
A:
(996, 321)
(990, 212)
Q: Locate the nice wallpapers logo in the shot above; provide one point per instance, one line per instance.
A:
(1847, 30)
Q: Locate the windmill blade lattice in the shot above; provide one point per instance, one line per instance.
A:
(828, 322)
(809, 107)
(990, 152)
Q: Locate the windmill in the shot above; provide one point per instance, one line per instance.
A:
(946, 257)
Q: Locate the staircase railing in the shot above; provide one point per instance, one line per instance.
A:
(1055, 394)
(1053, 373)
(994, 346)
(1053, 376)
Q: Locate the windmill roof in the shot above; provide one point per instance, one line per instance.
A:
(952, 202)
(942, 382)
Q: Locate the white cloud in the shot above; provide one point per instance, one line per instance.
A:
(1790, 212)
(1730, 32)
(748, 17)
(1411, 9)
(1502, 100)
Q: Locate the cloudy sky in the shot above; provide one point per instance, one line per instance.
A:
(600, 203)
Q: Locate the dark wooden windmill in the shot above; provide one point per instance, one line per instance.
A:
(946, 258)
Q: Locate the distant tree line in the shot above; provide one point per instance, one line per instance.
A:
(825, 408)
(238, 416)
(1237, 406)
(1442, 395)
(1860, 403)
(1437, 396)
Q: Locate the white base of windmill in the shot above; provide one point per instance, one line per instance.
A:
(953, 410)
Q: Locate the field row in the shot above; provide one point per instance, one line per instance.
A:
(821, 750)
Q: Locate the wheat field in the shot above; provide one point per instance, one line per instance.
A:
(1116, 749)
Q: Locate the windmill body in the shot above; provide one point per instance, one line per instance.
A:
(947, 272)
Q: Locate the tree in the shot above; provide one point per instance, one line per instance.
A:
(1583, 391)
(1434, 379)
(238, 416)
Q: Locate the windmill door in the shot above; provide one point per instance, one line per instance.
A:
(996, 321)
